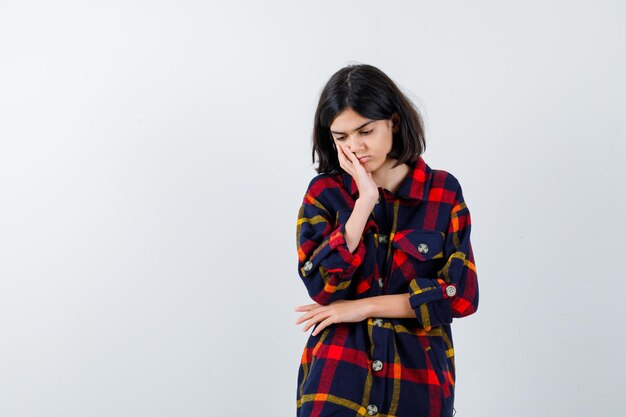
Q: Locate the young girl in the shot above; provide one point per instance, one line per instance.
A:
(384, 250)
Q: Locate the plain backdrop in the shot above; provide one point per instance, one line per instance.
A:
(154, 154)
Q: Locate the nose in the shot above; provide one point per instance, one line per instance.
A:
(355, 144)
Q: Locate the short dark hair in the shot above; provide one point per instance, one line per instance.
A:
(373, 95)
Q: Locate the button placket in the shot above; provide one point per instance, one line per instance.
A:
(383, 240)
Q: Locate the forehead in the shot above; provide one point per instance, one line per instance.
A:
(348, 121)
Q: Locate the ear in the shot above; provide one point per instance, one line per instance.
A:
(395, 120)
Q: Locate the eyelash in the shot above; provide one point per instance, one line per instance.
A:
(363, 132)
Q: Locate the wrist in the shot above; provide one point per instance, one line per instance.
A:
(368, 306)
(368, 200)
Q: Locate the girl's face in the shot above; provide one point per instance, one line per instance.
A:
(370, 140)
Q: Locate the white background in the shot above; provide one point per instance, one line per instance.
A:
(153, 157)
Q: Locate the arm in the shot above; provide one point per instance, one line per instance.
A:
(454, 293)
(330, 250)
(356, 223)
(389, 306)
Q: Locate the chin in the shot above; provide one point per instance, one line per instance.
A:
(370, 167)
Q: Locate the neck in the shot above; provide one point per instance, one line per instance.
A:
(389, 178)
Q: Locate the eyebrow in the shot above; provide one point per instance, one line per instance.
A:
(363, 125)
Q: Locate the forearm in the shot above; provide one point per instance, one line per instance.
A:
(356, 223)
(389, 306)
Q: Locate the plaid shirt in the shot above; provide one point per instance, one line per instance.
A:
(416, 241)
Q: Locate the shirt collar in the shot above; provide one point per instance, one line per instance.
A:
(414, 186)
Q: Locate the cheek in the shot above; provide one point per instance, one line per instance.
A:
(382, 144)
(388, 141)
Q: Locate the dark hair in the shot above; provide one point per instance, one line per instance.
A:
(373, 95)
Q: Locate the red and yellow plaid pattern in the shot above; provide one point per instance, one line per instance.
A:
(386, 367)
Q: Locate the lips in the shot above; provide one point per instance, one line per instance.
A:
(364, 159)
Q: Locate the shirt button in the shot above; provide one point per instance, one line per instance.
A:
(383, 238)
(372, 409)
(380, 282)
(308, 265)
(377, 365)
(422, 248)
(378, 322)
(451, 290)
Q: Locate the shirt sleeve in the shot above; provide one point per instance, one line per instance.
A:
(325, 263)
(454, 293)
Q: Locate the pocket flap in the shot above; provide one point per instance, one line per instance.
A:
(421, 244)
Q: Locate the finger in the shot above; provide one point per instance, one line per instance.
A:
(306, 307)
(348, 154)
(344, 160)
(342, 153)
(316, 318)
(300, 320)
(351, 156)
(321, 326)
(304, 317)
(311, 322)
(354, 160)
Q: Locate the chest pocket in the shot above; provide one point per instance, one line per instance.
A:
(417, 251)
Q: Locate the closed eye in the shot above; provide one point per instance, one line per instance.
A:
(364, 132)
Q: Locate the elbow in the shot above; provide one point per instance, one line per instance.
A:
(326, 287)
(324, 297)
(463, 313)
(320, 297)
(462, 307)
